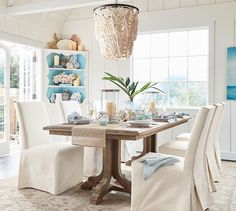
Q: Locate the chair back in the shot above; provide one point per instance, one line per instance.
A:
(55, 113)
(32, 117)
(68, 107)
(195, 159)
(198, 134)
(215, 127)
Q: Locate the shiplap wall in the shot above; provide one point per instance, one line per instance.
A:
(34, 29)
(157, 15)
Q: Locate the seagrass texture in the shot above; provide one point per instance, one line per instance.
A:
(116, 30)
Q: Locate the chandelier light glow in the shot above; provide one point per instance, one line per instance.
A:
(116, 29)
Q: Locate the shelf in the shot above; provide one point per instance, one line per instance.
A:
(63, 69)
(57, 86)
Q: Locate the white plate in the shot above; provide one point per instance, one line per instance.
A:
(140, 123)
(81, 121)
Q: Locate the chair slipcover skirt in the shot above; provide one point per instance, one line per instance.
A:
(51, 167)
(170, 188)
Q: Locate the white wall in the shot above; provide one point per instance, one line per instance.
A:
(173, 14)
(34, 29)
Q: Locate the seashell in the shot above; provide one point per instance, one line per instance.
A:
(65, 44)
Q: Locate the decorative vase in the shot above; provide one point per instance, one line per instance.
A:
(109, 102)
(151, 102)
(66, 95)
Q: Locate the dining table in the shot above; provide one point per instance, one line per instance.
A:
(111, 168)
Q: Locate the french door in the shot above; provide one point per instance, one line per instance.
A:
(4, 100)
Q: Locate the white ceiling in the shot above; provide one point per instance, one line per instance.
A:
(61, 9)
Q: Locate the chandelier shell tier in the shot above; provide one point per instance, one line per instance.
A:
(116, 29)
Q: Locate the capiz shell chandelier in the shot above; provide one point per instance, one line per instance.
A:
(116, 29)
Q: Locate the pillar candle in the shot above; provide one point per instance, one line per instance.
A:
(56, 60)
(152, 107)
(111, 109)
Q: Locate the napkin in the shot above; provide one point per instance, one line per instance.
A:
(153, 162)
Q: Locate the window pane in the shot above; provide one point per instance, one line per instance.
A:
(178, 43)
(141, 70)
(1, 67)
(142, 46)
(178, 94)
(178, 69)
(198, 68)
(198, 42)
(159, 45)
(162, 98)
(159, 70)
(2, 111)
(198, 93)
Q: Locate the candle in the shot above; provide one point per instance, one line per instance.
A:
(111, 110)
(152, 107)
(74, 46)
(56, 60)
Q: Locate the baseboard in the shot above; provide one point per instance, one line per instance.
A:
(231, 156)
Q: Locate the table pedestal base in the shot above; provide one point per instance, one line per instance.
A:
(111, 168)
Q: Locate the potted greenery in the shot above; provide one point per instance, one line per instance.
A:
(130, 87)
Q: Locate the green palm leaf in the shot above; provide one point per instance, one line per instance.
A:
(130, 87)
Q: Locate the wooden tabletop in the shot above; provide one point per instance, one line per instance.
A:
(120, 131)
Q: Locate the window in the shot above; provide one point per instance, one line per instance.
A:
(178, 61)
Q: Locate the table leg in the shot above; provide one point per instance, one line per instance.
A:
(102, 187)
(116, 168)
(92, 181)
(149, 145)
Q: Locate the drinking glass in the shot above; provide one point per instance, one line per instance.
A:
(91, 111)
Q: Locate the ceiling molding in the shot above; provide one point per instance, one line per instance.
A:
(52, 5)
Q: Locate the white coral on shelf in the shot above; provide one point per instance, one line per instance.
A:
(76, 96)
(64, 78)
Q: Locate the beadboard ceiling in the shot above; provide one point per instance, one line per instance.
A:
(66, 10)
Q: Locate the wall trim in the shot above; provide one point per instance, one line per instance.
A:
(229, 156)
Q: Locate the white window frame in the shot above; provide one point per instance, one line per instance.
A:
(211, 57)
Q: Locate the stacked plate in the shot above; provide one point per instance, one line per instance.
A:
(141, 123)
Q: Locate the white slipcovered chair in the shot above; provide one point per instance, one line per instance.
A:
(51, 167)
(186, 137)
(92, 155)
(179, 148)
(181, 187)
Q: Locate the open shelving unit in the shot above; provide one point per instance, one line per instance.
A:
(82, 73)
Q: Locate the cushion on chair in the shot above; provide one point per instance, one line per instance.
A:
(183, 137)
(53, 168)
(177, 148)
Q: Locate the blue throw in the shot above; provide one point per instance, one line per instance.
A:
(152, 162)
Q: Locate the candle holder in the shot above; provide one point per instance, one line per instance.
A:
(152, 102)
(109, 102)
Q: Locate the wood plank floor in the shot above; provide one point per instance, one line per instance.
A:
(9, 165)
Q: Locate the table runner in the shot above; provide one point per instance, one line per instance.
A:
(91, 135)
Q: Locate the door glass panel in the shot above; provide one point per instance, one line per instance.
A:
(2, 95)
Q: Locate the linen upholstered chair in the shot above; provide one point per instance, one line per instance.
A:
(68, 107)
(186, 137)
(51, 167)
(179, 148)
(181, 187)
(92, 155)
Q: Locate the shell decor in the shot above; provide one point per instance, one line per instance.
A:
(72, 62)
(77, 96)
(64, 78)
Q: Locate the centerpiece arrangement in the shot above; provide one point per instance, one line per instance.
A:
(131, 89)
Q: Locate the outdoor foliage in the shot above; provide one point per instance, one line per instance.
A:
(14, 71)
